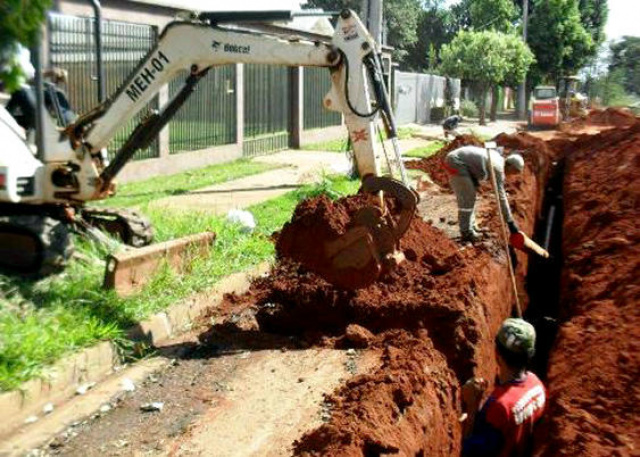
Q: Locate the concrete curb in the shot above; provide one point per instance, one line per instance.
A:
(94, 364)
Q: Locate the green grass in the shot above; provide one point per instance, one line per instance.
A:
(425, 151)
(342, 144)
(339, 145)
(137, 193)
(43, 320)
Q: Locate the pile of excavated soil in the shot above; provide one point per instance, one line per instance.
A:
(432, 165)
(594, 368)
(406, 407)
(618, 117)
(433, 318)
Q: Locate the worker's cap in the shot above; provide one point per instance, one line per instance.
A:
(515, 161)
(517, 336)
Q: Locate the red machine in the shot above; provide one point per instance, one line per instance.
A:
(545, 107)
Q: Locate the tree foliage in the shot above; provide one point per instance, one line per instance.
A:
(400, 20)
(435, 28)
(558, 38)
(499, 15)
(20, 22)
(593, 15)
(486, 58)
(625, 60)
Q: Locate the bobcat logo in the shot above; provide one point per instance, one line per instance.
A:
(215, 45)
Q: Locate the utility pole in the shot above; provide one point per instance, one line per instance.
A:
(522, 90)
(372, 11)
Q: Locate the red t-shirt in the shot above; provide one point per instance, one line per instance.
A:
(513, 409)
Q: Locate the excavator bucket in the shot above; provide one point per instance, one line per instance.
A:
(369, 248)
(129, 270)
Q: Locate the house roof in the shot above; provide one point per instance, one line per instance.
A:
(236, 5)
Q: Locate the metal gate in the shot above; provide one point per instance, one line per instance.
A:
(72, 47)
(208, 118)
(267, 108)
(317, 82)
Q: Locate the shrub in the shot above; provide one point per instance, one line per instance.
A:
(468, 108)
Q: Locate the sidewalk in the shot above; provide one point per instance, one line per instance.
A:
(303, 167)
(435, 132)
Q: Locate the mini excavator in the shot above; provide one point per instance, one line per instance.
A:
(43, 195)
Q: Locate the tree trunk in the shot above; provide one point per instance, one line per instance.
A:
(482, 107)
(495, 98)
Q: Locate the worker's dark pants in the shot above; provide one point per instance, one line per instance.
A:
(465, 190)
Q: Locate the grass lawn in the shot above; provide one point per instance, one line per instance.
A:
(40, 321)
(425, 151)
(342, 144)
(136, 193)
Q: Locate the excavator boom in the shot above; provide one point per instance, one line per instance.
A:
(77, 158)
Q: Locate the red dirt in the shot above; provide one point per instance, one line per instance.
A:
(433, 165)
(412, 379)
(595, 367)
(619, 117)
(434, 318)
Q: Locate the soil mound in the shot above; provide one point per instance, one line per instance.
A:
(403, 390)
(595, 366)
(433, 165)
(618, 117)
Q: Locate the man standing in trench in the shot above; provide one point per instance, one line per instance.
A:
(469, 165)
(503, 426)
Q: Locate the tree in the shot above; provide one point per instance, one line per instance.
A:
(593, 15)
(400, 20)
(434, 30)
(558, 39)
(20, 22)
(625, 59)
(486, 58)
(499, 15)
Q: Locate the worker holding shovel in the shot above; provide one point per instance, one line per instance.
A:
(469, 165)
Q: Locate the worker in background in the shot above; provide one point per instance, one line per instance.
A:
(469, 165)
(503, 426)
(450, 125)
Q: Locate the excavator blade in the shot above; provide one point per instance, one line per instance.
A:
(369, 248)
(129, 270)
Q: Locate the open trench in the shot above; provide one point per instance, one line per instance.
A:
(435, 320)
(432, 321)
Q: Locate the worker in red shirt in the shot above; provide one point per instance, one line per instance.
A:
(503, 426)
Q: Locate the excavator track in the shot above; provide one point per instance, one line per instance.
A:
(34, 245)
(129, 226)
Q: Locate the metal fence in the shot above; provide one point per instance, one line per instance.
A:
(317, 82)
(208, 118)
(267, 100)
(72, 47)
(420, 98)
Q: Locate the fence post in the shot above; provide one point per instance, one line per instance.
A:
(163, 136)
(240, 105)
(297, 106)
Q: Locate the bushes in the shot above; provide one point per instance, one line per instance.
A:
(468, 109)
